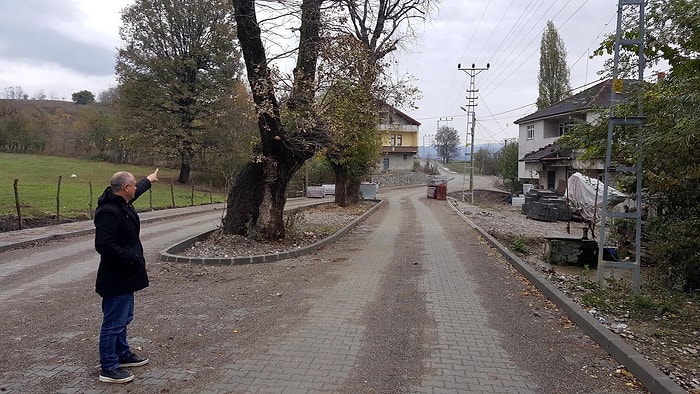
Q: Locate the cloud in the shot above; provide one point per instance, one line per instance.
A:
(506, 34)
(63, 46)
(51, 32)
(36, 46)
(58, 46)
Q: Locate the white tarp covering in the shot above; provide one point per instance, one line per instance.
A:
(581, 191)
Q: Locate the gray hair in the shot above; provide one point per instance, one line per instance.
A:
(121, 179)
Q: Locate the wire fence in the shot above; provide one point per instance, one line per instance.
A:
(27, 203)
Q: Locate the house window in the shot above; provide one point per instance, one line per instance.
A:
(393, 139)
(565, 127)
(399, 140)
(531, 132)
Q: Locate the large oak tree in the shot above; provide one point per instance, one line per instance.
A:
(292, 130)
(176, 72)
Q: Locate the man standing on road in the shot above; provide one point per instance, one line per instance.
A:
(122, 271)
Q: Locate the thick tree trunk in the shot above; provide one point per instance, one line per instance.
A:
(257, 197)
(340, 188)
(184, 176)
(242, 205)
(347, 188)
(255, 205)
(353, 191)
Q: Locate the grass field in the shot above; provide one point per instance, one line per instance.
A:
(458, 166)
(38, 186)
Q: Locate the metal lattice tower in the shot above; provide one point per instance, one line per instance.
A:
(615, 124)
(472, 96)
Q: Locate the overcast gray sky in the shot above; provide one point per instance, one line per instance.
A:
(64, 46)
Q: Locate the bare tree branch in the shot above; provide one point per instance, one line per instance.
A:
(383, 24)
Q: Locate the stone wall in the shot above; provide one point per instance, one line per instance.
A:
(400, 179)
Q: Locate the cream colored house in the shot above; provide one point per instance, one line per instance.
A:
(399, 133)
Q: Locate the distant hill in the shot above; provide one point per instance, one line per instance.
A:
(53, 127)
(51, 107)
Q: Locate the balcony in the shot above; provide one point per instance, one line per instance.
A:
(395, 128)
(399, 149)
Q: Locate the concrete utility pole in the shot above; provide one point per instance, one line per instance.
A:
(472, 96)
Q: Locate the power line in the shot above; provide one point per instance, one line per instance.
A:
(503, 15)
(449, 94)
(515, 69)
(524, 47)
(516, 108)
(516, 37)
(534, 50)
(516, 42)
(474, 31)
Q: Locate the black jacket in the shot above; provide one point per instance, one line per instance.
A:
(122, 267)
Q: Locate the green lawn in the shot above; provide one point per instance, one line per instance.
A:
(459, 167)
(37, 186)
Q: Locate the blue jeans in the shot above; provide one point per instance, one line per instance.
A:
(117, 311)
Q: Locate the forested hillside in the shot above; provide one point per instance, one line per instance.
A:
(98, 131)
(52, 127)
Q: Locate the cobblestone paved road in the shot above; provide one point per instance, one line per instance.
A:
(412, 301)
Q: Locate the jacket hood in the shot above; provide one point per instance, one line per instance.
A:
(108, 196)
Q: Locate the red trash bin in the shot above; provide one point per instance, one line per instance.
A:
(441, 192)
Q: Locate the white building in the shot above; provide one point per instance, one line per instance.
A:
(541, 160)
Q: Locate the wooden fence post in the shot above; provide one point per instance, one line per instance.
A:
(19, 211)
(58, 200)
(172, 193)
(90, 203)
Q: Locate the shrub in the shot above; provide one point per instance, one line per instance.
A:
(675, 251)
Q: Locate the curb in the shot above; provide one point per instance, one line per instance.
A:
(73, 233)
(642, 369)
(42, 238)
(170, 254)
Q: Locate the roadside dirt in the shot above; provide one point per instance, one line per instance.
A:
(10, 223)
(670, 340)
